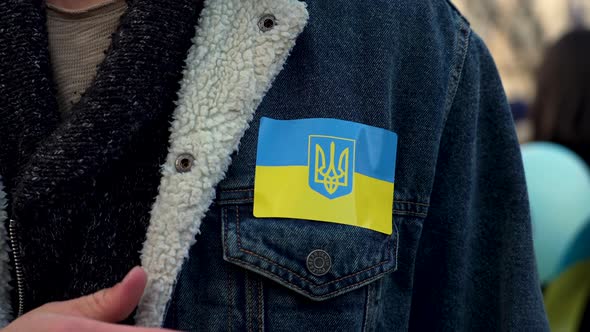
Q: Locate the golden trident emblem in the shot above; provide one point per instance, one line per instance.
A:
(328, 175)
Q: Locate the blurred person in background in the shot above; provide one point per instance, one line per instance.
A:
(558, 178)
(561, 110)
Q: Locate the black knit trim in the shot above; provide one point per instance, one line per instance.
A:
(28, 108)
(138, 76)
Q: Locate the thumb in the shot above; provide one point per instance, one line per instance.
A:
(110, 305)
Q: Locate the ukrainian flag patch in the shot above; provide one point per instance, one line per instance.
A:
(326, 170)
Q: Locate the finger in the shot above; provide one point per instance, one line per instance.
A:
(108, 305)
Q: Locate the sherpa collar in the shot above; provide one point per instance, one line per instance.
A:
(236, 56)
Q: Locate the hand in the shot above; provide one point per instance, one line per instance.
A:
(92, 313)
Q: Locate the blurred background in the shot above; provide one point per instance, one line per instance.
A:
(542, 50)
(518, 32)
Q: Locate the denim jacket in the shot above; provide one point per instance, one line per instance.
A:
(460, 257)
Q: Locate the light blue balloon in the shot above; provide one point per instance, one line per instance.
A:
(559, 190)
(577, 251)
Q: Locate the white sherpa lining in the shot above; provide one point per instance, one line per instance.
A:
(229, 69)
(5, 304)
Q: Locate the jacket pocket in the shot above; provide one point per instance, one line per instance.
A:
(316, 259)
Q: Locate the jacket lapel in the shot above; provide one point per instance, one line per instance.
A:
(240, 47)
(134, 90)
(28, 109)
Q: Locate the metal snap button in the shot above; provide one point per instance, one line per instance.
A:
(319, 262)
(184, 162)
(267, 22)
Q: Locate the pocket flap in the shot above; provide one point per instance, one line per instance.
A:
(316, 259)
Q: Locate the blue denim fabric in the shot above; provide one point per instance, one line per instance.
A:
(460, 257)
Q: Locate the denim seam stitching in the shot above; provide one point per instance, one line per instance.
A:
(396, 246)
(238, 227)
(413, 203)
(314, 285)
(229, 281)
(410, 213)
(457, 73)
(241, 200)
(260, 306)
(237, 190)
(366, 316)
(249, 305)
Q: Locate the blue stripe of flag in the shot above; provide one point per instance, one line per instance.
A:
(285, 143)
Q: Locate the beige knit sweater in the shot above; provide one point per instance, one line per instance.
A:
(78, 41)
